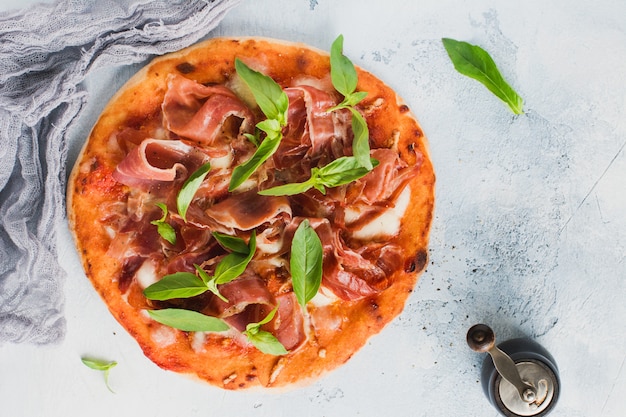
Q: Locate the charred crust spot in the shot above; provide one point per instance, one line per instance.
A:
(250, 377)
(417, 263)
(94, 165)
(302, 62)
(185, 68)
(409, 265)
(374, 306)
(403, 108)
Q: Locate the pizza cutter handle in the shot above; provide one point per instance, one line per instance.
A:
(481, 338)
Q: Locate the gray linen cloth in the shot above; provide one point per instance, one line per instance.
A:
(45, 53)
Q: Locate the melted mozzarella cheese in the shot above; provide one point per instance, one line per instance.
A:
(163, 336)
(387, 223)
(146, 274)
(197, 342)
(324, 298)
(222, 162)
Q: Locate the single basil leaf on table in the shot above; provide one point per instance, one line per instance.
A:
(188, 321)
(306, 263)
(262, 340)
(189, 189)
(100, 365)
(474, 62)
(165, 230)
(177, 285)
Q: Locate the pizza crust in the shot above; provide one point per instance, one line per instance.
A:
(219, 360)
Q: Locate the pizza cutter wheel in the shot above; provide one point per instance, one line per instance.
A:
(520, 377)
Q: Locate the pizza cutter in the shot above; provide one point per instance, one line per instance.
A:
(519, 376)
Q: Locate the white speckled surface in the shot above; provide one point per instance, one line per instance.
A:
(529, 233)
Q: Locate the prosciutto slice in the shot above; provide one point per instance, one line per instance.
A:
(157, 161)
(288, 324)
(384, 182)
(311, 129)
(200, 113)
(249, 301)
(246, 211)
(347, 273)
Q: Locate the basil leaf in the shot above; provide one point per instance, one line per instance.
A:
(289, 189)
(242, 172)
(343, 171)
(342, 72)
(233, 243)
(306, 263)
(188, 321)
(189, 188)
(262, 340)
(254, 138)
(266, 343)
(178, 285)
(234, 264)
(270, 97)
(266, 320)
(355, 98)
(165, 230)
(210, 283)
(271, 127)
(99, 365)
(361, 141)
(345, 79)
(475, 62)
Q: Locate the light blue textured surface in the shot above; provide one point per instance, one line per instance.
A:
(529, 233)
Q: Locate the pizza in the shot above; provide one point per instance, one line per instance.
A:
(158, 204)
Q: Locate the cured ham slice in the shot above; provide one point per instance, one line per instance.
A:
(288, 325)
(246, 211)
(249, 301)
(312, 131)
(349, 275)
(384, 182)
(156, 161)
(200, 113)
